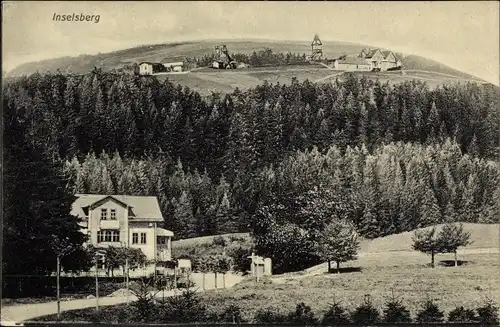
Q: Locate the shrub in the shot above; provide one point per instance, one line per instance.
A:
(219, 241)
(488, 313)
(430, 313)
(232, 314)
(365, 313)
(336, 315)
(186, 307)
(239, 256)
(396, 312)
(144, 305)
(269, 315)
(302, 315)
(460, 314)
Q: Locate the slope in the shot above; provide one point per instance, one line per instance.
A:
(117, 59)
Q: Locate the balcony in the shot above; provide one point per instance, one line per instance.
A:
(109, 224)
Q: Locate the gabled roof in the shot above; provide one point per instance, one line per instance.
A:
(316, 40)
(370, 53)
(141, 207)
(387, 53)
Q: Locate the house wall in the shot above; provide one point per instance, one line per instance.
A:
(145, 69)
(364, 67)
(149, 249)
(95, 224)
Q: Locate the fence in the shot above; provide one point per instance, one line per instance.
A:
(42, 286)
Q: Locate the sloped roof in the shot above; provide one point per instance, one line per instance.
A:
(164, 232)
(142, 207)
(370, 53)
(316, 40)
(354, 61)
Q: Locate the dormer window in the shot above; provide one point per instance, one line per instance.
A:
(104, 214)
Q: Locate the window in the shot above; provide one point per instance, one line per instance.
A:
(108, 236)
(104, 214)
(161, 240)
(135, 238)
(143, 238)
(112, 214)
(86, 212)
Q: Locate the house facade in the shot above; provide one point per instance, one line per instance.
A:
(124, 221)
(174, 64)
(150, 68)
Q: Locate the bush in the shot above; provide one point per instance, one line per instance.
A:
(365, 313)
(302, 315)
(460, 314)
(232, 314)
(219, 241)
(430, 313)
(269, 316)
(488, 313)
(336, 315)
(396, 312)
(239, 256)
(186, 307)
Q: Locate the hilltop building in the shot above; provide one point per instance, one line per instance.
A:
(150, 68)
(124, 221)
(316, 49)
(367, 60)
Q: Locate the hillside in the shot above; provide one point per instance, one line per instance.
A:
(484, 236)
(117, 59)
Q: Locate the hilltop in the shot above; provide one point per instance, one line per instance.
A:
(117, 59)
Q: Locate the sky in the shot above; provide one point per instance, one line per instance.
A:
(463, 35)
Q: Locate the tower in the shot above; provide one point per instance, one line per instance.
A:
(316, 49)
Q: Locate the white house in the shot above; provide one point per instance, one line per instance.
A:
(123, 220)
(150, 68)
(175, 64)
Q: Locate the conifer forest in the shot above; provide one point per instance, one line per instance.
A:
(278, 160)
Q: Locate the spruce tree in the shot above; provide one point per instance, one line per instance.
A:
(37, 208)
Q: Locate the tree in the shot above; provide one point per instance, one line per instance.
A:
(366, 313)
(336, 315)
(396, 312)
(488, 313)
(37, 205)
(460, 314)
(338, 243)
(430, 313)
(221, 264)
(426, 241)
(451, 237)
(302, 315)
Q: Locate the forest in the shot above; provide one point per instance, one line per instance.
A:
(387, 158)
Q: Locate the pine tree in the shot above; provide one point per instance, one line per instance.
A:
(37, 208)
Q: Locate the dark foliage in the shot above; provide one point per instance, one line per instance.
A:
(270, 315)
(336, 315)
(396, 312)
(460, 314)
(430, 313)
(488, 313)
(366, 313)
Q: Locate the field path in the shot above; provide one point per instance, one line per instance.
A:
(25, 312)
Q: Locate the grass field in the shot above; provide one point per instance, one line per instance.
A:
(206, 80)
(384, 265)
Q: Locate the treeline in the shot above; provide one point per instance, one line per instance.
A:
(212, 161)
(260, 58)
(75, 115)
(397, 187)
